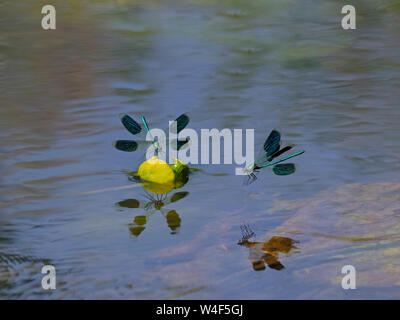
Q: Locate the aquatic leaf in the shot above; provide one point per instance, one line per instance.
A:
(284, 169)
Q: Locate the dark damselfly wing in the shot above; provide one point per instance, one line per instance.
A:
(135, 128)
(183, 143)
(181, 122)
(130, 124)
(126, 145)
(284, 169)
(179, 144)
(271, 149)
(272, 144)
(279, 152)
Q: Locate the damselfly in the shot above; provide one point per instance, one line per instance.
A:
(271, 150)
(135, 128)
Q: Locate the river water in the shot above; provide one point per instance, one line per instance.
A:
(231, 64)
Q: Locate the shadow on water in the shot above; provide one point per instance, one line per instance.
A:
(266, 252)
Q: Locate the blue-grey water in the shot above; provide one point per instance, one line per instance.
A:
(230, 64)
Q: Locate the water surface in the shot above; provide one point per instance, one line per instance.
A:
(231, 64)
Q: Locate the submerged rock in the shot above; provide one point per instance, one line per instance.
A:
(356, 224)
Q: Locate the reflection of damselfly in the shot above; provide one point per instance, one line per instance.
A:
(271, 150)
(136, 129)
(156, 202)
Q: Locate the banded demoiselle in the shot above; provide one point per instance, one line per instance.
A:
(271, 150)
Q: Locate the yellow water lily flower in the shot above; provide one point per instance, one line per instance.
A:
(157, 171)
(159, 177)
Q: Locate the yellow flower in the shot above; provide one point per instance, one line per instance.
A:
(159, 177)
(157, 171)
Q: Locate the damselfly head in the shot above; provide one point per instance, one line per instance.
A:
(247, 170)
